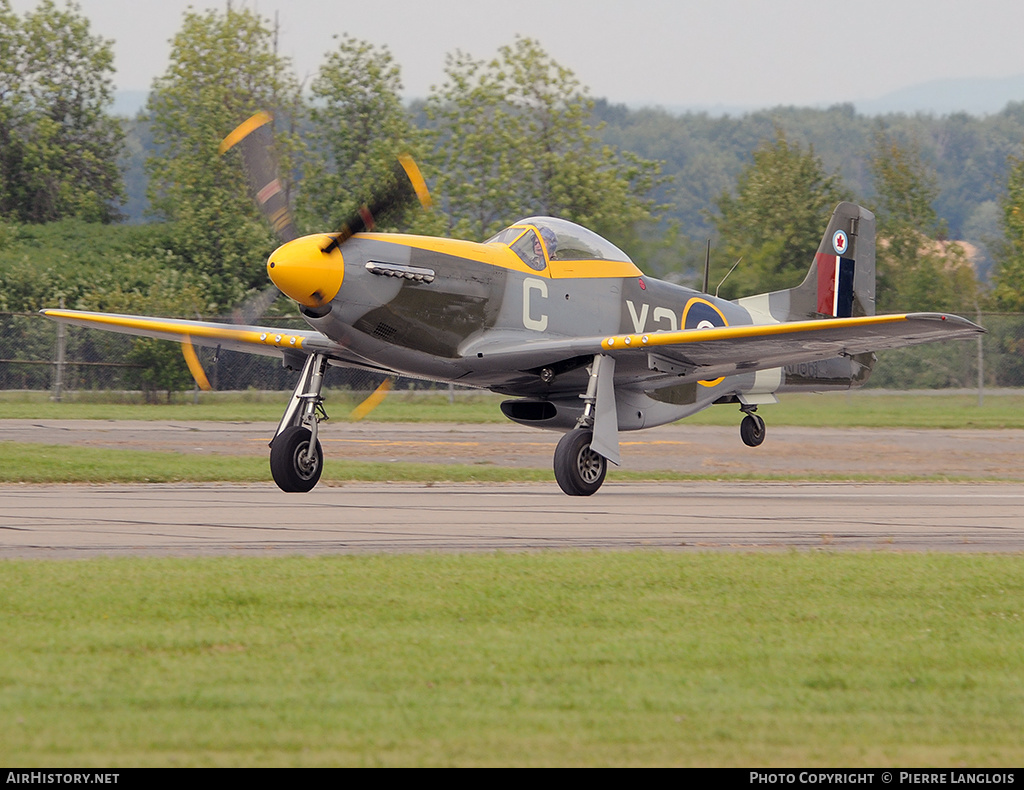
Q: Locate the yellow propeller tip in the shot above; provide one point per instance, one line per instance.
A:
(244, 129)
(416, 178)
(196, 369)
(372, 402)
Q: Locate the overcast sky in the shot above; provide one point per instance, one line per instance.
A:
(663, 52)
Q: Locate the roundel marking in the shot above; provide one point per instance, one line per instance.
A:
(701, 314)
(840, 242)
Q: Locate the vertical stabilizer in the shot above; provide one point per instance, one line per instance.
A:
(844, 265)
(841, 280)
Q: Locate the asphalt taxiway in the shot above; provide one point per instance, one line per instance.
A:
(75, 521)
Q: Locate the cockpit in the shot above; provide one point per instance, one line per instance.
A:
(535, 238)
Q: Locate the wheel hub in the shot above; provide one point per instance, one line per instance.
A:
(590, 464)
(305, 461)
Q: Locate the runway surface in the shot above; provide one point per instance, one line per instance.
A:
(73, 521)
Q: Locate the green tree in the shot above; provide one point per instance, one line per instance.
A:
(775, 220)
(10, 110)
(223, 68)
(514, 137)
(58, 146)
(905, 186)
(1008, 291)
(358, 127)
(917, 268)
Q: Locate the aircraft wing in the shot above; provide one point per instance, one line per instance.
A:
(722, 351)
(707, 353)
(268, 341)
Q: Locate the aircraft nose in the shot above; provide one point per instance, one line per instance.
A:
(305, 273)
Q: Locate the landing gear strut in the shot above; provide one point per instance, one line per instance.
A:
(296, 457)
(752, 428)
(581, 460)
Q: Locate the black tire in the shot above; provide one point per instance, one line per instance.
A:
(293, 468)
(578, 469)
(752, 430)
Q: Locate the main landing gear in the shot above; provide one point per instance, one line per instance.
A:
(296, 457)
(579, 468)
(752, 428)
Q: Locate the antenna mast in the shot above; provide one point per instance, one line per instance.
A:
(707, 268)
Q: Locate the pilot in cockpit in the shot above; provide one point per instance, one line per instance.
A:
(550, 241)
(530, 248)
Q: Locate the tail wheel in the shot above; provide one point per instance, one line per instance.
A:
(752, 430)
(294, 467)
(578, 469)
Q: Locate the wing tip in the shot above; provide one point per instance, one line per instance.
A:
(951, 318)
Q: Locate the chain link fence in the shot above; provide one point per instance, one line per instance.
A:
(41, 355)
(38, 354)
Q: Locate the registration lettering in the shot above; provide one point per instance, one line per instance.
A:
(532, 285)
(662, 315)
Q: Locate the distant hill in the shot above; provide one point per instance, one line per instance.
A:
(974, 96)
(128, 103)
(977, 96)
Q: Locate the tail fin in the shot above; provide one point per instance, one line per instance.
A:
(841, 280)
(840, 283)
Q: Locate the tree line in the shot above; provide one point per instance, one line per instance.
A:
(501, 138)
(58, 145)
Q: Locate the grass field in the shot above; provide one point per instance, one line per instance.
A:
(34, 463)
(39, 463)
(795, 659)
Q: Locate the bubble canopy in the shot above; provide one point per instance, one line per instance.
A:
(574, 242)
